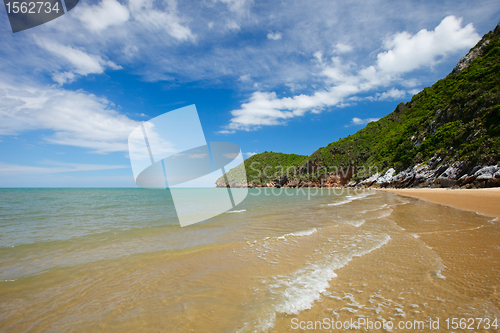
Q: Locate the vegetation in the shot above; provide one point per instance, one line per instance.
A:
(264, 167)
(458, 118)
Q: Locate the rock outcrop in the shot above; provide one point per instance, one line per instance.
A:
(457, 175)
(431, 174)
(474, 53)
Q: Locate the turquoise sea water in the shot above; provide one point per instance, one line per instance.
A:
(70, 226)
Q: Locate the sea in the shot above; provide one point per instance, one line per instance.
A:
(283, 260)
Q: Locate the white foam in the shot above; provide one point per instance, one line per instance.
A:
(299, 233)
(351, 198)
(299, 290)
(356, 223)
(439, 275)
(373, 210)
(236, 211)
(304, 232)
(382, 213)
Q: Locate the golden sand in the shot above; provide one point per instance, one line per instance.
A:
(485, 201)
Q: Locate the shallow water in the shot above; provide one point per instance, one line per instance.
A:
(117, 260)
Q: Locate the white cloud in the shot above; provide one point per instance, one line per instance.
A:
(239, 7)
(359, 121)
(84, 63)
(105, 14)
(64, 77)
(245, 78)
(81, 62)
(407, 52)
(294, 86)
(247, 155)
(410, 83)
(414, 91)
(232, 25)
(342, 80)
(160, 19)
(170, 38)
(274, 35)
(343, 48)
(75, 117)
(391, 94)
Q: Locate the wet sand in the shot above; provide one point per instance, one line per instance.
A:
(485, 201)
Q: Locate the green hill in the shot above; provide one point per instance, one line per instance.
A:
(264, 167)
(455, 120)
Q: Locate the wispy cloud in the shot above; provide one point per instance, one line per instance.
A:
(146, 36)
(75, 118)
(358, 121)
(392, 94)
(104, 14)
(80, 62)
(247, 155)
(274, 35)
(343, 48)
(342, 80)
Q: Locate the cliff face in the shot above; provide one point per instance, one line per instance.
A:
(477, 51)
(447, 135)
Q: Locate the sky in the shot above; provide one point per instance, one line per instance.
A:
(283, 76)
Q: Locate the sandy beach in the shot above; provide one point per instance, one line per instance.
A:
(484, 201)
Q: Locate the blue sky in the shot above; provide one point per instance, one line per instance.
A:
(285, 76)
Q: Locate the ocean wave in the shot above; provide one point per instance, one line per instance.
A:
(382, 213)
(355, 223)
(236, 211)
(307, 232)
(298, 291)
(350, 198)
